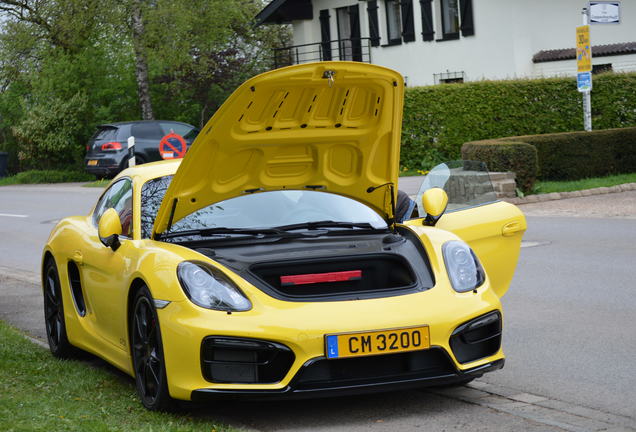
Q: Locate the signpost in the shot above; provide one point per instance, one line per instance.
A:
(584, 68)
(131, 151)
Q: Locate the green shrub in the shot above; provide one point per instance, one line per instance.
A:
(518, 157)
(50, 134)
(438, 120)
(578, 155)
(46, 176)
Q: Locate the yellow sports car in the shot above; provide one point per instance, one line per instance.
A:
(271, 262)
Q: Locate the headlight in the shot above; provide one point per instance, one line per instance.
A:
(209, 288)
(464, 270)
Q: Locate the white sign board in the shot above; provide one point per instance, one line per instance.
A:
(605, 12)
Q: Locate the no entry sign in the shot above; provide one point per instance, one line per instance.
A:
(172, 146)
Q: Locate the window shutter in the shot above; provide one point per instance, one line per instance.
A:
(354, 21)
(325, 35)
(408, 24)
(428, 31)
(372, 13)
(466, 17)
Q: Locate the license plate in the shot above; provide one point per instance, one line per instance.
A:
(377, 342)
(92, 163)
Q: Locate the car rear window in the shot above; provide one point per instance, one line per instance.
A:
(106, 133)
(150, 130)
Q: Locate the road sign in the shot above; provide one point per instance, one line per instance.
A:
(172, 146)
(583, 49)
(605, 12)
(584, 81)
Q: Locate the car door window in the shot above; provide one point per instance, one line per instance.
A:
(119, 197)
(178, 128)
(147, 130)
(467, 184)
(152, 193)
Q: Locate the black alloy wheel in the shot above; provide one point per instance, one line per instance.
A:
(147, 354)
(54, 313)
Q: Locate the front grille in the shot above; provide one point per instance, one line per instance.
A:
(245, 361)
(477, 338)
(323, 373)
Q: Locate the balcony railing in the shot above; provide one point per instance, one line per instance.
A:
(354, 49)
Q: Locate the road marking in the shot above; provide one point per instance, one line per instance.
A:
(13, 215)
(528, 244)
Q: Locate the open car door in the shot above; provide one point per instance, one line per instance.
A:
(492, 228)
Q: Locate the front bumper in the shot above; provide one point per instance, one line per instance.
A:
(296, 391)
(184, 327)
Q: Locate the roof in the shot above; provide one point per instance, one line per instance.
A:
(285, 11)
(597, 51)
(120, 123)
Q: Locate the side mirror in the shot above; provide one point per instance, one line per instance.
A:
(434, 201)
(109, 229)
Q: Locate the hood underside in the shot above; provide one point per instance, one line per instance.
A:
(331, 126)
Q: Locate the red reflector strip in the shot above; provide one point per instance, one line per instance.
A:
(313, 278)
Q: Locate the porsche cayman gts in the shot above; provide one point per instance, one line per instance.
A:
(269, 262)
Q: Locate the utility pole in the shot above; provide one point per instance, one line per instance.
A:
(585, 69)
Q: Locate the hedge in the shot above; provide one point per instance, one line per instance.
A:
(578, 155)
(439, 119)
(519, 157)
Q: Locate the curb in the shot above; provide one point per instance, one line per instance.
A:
(574, 194)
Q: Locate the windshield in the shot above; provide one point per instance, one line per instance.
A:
(260, 210)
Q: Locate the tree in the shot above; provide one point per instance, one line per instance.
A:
(199, 51)
(68, 65)
(141, 64)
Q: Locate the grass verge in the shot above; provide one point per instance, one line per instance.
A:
(41, 393)
(542, 187)
(46, 176)
(98, 183)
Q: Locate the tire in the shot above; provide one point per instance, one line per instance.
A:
(147, 354)
(139, 159)
(54, 313)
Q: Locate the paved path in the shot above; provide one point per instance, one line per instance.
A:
(613, 205)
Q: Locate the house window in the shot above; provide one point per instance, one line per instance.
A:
(602, 68)
(449, 77)
(450, 19)
(393, 22)
(349, 43)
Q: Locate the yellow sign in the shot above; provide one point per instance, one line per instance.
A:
(583, 49)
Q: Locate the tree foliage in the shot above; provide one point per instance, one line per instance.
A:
(69, 65)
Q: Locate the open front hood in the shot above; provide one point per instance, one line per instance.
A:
(332, 126)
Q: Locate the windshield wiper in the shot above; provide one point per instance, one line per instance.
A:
(209, 232)
(329, 224)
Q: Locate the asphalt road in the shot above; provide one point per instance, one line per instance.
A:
(569, 327)
(29, 213)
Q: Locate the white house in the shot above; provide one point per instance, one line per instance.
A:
(433, 41)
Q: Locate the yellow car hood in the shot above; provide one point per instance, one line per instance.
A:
(332, 126)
